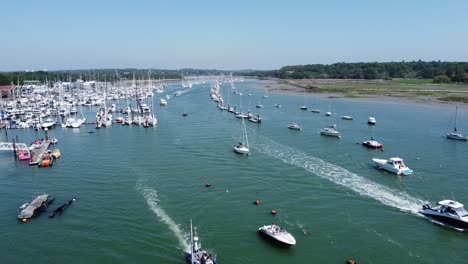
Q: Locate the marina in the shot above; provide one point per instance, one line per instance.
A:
(138, 186)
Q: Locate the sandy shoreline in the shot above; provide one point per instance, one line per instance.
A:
(280, 86)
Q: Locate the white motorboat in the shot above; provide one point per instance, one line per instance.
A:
(278, 234)
(315, 110)
(447, 212)
(303, 107)
(295, 126)
(394, 165)
(346, 117)
(328, 113)
(195, 254)
(371, 121)
(48, 123)
(330, 131)
(162, 101)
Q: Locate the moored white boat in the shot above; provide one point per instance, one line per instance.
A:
(295, 126)
(371, 121)
(278, 234)
(393, 165)
(330, 131)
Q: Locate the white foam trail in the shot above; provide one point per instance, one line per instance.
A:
(338, 175)
(151, 197)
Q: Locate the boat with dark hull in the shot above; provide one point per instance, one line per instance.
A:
(447, 212)
(61, 208)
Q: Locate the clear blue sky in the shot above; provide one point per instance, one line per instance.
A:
(239, 34)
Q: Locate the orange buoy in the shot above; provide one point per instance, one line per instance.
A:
(273, 212)
(350, 261)
(257, 202)
(208, 184)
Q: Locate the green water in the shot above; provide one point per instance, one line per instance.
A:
(137, 188)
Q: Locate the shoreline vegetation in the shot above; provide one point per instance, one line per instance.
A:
(433, 81)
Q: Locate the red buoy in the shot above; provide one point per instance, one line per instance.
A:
(257, 202)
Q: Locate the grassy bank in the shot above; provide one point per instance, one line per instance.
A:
(407, 88)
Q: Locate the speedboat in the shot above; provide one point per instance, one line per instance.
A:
(295, 126)
(328, 114)
(303, 107)
(447, 212)
(372, 144)
(371, 121)
(241, 148)
(162, 101)
(278, 234)
(394, 165)
(28, 210)
(330, 131)
(195, 254)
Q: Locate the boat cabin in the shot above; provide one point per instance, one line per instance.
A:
(452, 207)
(397, 162)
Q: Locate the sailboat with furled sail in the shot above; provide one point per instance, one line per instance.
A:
(455, 134)
(243, 146)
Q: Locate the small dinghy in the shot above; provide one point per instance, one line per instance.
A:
(278, 234)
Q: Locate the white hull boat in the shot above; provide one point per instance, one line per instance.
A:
(278, 234)
(393, 165)
(295, 126)
(328, 131)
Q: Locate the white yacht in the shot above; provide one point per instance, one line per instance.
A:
(162, 101)
(393, 165)
(278, 234)
(447, 212)
(330, 131)
(295, 126)
(371, 121)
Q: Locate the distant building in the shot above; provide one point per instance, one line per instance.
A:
(8, 91)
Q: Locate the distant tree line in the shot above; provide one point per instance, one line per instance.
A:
(110, 75)
(440, 72)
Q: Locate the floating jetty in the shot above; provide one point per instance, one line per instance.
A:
(36, 153)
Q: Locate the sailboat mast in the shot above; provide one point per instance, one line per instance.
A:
(191, 242)
(455, 126)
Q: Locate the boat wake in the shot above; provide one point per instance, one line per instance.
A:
(338, 175)
(151, 197)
